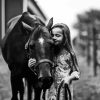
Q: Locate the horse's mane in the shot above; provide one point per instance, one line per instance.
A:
(10, 25)
(12, 22)
(41, 30)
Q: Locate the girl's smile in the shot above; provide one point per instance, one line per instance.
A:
(57, 35)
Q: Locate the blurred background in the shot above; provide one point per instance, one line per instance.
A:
(83, 19)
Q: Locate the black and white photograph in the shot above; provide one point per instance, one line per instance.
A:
(49, 50)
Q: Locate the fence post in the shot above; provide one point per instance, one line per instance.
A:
(94, 51)
(88, 45)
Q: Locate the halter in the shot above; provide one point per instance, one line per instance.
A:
(43, 61)
(39, 62)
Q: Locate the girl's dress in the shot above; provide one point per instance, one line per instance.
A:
(63, 67)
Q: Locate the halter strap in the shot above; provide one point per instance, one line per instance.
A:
(44, 60)
(39, 62)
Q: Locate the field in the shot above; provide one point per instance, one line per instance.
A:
(87, 88)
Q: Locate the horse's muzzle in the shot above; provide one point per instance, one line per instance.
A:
(45, 82)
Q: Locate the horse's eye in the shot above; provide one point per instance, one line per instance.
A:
(31, 46)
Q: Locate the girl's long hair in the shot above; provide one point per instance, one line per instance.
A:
(67, 43)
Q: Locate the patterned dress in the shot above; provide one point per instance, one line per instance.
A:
(64, 67)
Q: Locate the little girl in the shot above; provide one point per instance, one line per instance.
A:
(65, 61)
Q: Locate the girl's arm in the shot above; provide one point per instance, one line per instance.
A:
(75, 73)
(75, 65)
(73, 76)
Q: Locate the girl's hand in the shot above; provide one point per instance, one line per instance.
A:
(75, 74)
(31, 62)
(69, 78)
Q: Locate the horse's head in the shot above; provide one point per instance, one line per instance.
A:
(40, 47)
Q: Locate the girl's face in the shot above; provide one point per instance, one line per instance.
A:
(57, 35)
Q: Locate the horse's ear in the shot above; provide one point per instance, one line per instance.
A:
(50, 23)
(27, 44)
(26, 26)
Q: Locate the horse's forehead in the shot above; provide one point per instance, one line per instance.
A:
(41, 40)
(45, 32)
(45, 29)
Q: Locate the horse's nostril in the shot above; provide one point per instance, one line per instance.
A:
(47, 81)
(50, 79)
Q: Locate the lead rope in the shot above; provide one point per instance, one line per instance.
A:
(66, 91)
(59, 88)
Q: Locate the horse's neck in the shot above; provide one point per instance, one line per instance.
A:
(10, 26)
(12, 23)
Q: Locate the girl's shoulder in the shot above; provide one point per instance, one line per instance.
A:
(64, 55)
(65, 52)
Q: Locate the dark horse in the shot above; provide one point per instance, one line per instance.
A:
(27, 36)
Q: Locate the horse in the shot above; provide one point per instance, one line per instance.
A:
(27, 36)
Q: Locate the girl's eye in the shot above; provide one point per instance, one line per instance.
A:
(57, 35)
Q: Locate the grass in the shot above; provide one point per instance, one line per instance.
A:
(87, 88)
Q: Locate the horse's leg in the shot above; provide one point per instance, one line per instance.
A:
(44, 94)
(14, 88)
(29, 89)
(37, 93)
(30, 79)
(17, 86)
(21, 88)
